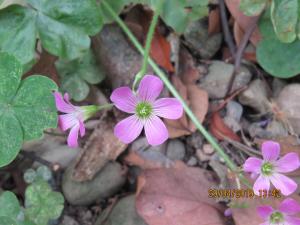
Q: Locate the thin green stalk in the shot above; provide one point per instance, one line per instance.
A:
(174, 92)
(149, 38)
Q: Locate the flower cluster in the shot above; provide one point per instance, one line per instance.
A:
(144, 106)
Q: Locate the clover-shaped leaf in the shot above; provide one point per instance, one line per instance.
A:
(277, 58)
(77, 74)
(252, 7)
(10, 210)
(27, 107)
(62, 26)
(42, 204)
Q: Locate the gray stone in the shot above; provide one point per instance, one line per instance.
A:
(106, 183)
(67, 220)
(256, 96)
(192, 161)
(123, 213)
(217, 80)
(175, 150)
(288, 102)
(197, 37)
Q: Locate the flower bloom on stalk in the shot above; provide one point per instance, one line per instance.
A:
(285, 215)
(73, 118)
(270, 169)
(146, 110)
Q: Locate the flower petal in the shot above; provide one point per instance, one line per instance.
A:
(124, 99)
(253, 165)
(128, 129)
(285, 184)
(67, 121)
(169, 108)
(270, 150)
(156, 131)
(81, 128)
(292, 220)
(287, 163)
(264, 211)
(262, 183)
(73, 137)
(150, 88)
(61, 105)
(289, 206)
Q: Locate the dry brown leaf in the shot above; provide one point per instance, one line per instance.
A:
(101, 147)
(214, 25)
(177, 196)
(243, 21)
(45, 66)
(195, 97)
(220, 130)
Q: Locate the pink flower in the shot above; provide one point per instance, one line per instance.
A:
(73, 118)
(282, 216)
(270, 169)
(146, 111)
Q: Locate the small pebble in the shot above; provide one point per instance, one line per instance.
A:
(192, 161)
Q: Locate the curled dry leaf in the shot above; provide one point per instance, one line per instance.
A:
(243, 21)
(159, 203)
(220, 130)
(101, 147)
(196, 98)
(214, 25)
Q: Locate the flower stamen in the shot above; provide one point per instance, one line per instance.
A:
(276, 218)
(143, 110)
(267, 168)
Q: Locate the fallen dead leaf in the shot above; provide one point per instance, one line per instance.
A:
(242, 20)
(159, 203)
(45, 65)
(195, 97)
(214, 25)
(220, 130)
(101, 147)
(139, 20)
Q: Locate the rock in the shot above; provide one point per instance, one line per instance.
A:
(218, 77)
(175, 150)
(277, 129)
(52, 151)
(67, 220)
(119, 58)
(256, 96)
(289, 104)
(141, 144)
(123, 213)
(105, 184)
(233, 116)
(192, 161)
(277, 86)
(208, 149)
(195, 140)
(202, 156)
(197, 37)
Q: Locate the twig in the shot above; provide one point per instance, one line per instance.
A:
(31, 155)
(225, 26)
(240, 51)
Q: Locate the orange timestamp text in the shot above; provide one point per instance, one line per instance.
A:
(243, 193)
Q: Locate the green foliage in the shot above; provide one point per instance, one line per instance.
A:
(284, 15)
(277, 58)
(175, 13)
(77, 74)
(10, 210)
(62, 26)
(252, 7)
(42, 204)
(27, 107)
(42, 173)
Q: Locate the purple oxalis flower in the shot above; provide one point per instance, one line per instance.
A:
(73, 118)
(146, 111)
(270, 169)
(285, 215)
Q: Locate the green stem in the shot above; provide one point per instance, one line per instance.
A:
(150, 33)
(174, 92)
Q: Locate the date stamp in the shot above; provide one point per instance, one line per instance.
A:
(243, 193)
